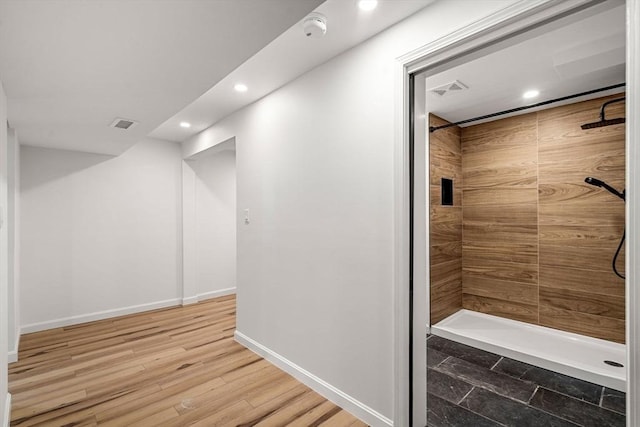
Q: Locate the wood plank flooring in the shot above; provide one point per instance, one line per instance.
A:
(171, 367)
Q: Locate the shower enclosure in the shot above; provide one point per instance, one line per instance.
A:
(521, 262)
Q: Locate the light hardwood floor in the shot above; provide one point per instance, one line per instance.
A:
(172, 367)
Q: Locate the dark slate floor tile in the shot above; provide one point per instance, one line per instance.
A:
(577, 411)
(614, 400)
(446, 387)
(511, 367)
(486, 378)
(441, 413)
(564, 384)
(509, 412)
(461, 351)
(435, 357)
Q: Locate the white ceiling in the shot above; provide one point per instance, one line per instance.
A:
(70, 67)
(284, 59)
(579, 53)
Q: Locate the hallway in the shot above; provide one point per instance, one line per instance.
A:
(173, 367)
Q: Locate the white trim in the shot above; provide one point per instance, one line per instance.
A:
(98, 315)
(216, 294)
(490, 28)
(190, 300)
(633, 213)
(7, 411)
(505, 21)
(321, 387)
(401, 339)
(12, 356)
(208, 295)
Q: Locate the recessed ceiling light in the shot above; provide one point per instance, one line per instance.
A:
(240, 87)
(185, 125)
(367, 5)
(530, 94)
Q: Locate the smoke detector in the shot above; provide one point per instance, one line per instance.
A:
(125, 124)
(315, 25)
(454, 86)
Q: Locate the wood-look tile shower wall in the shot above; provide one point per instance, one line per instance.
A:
(445, 222)
(537, 241)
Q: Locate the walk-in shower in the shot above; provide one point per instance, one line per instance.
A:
(518, 262)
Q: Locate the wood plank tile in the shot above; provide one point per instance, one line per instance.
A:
(577, 191)
(501, 270)
(482, 252)
(498, 196)
(445, 222)
(445, 252)
(514, 167)
(446, 225)
(502, 308)
(582, 214)
(579, 236)
(500, 289)
(509, 132)
(591, 281)
(583, 302)
(593, 258)
(446, 296)
(581, 323)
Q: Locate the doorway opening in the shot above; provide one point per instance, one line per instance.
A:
(528, 240)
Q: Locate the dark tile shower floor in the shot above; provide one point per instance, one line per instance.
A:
(471, 387)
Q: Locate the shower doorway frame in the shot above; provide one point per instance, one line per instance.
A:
(411, 303)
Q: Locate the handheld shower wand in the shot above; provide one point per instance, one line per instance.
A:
(610, 189)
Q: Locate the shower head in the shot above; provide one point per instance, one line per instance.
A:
(603, 121)
(594, 181)
(610, 189)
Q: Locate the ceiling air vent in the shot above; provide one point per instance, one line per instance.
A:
(454, 86)
(123, 123)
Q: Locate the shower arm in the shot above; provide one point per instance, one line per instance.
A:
(605, 105)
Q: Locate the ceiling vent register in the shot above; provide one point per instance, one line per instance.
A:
(454, 86)
(125, 124)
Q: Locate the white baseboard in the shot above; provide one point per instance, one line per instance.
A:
(190, 300)
(12, 356)
(7, 411)
(321, 387)
(208, 295)
(99, 315)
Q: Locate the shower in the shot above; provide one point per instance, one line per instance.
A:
(603, 121)
(598, 183)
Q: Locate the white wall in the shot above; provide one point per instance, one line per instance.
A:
(4, 261)
(315, 167)
(100, 234)
(13, 229)
(215, 222)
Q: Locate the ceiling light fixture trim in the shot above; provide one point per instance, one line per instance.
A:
(240, 87)
(367, 5)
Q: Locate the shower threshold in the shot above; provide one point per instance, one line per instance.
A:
(579, 356)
